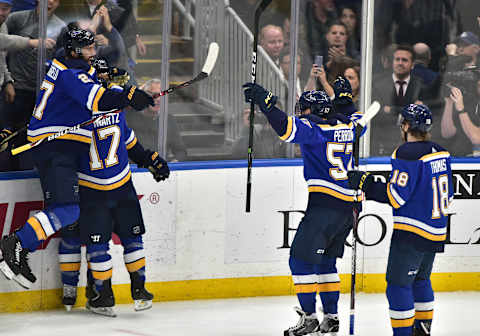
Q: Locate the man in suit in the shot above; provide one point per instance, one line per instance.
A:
(394, 91)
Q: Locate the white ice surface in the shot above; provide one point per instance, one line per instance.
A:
(456, 313)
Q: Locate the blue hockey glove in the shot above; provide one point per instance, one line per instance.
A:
(263, 98)
(157, 166)
(359, 179)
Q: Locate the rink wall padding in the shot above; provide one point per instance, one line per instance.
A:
(200, 243)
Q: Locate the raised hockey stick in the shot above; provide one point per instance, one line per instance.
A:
(258, 12)
(54, 136)
(212, 56)
(360, 124)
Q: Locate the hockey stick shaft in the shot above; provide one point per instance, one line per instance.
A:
(210, 61)
(57, 135)
(369, 114)
(258, 12)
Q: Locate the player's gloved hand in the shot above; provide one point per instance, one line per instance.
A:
(359, 179)
(263, 98)
(118, 76)
(157, 166)
(3, 135)
(136, 98)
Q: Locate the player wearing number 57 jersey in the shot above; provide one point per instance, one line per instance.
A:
(325, 140)
(420, 192)
(70, 94)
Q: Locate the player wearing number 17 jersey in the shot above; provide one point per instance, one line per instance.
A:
(420, 192)
(326, 142)
(70, 94)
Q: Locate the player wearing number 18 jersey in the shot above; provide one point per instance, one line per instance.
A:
(420, 192)
(325, 140)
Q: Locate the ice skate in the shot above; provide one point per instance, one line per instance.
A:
(141, 297)
(102, 303)
(307, 325)
(69, 296)
(329, 325)
(423, 330)
(14, 263)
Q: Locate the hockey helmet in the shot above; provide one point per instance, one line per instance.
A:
(318, 102)
(343, 91)
(76, 39)
(418, 116)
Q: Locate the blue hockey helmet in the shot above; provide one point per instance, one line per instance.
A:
(76, 39)
(318, 102)
(418, 116)
(343, 91)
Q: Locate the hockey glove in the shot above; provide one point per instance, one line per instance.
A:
(263, 98)
(5, 133)
(359, 179)
(136, 98)
(157, 166)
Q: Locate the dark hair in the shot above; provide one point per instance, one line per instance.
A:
(406, 47)
(338, 66)
(286, 51)
(336, 23)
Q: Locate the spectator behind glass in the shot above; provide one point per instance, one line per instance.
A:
(22, 65)
(285, 69)
(271, 39)
(145, 125)
(460, 124)
(432, 22)
(394, 91)
(468, 44)
(422, 62)
(349, 17)
(337, 44)
(267, 143)
(319, 15)
(352, 74)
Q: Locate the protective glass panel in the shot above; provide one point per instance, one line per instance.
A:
(426, 51)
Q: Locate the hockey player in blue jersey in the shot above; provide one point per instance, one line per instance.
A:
(69, 94)
(109, 203)
(420, 192)
(325, 140)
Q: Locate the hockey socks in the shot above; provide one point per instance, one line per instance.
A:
(45, 223)
(134, 255)
(69, 255)
(424, 298)
(312, 278)
(100, 264)
(402, 312)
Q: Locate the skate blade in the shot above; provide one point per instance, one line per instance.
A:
(6, 270)
(68, 307)
(142, 305)
(105, 311)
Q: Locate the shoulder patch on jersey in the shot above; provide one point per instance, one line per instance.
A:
(53, 72)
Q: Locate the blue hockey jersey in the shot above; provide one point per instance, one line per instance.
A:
(107, 167)
(68, 97)
(327, 157)
(420, 190)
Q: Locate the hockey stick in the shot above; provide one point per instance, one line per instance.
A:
(360, 124)
(206, 70)
(54, 136)
(258, 12)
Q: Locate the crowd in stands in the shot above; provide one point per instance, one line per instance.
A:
(422, 53)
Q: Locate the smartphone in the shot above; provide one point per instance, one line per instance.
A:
(318, 60)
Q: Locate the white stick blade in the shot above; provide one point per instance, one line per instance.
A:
(370, 113)
(211, 58)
